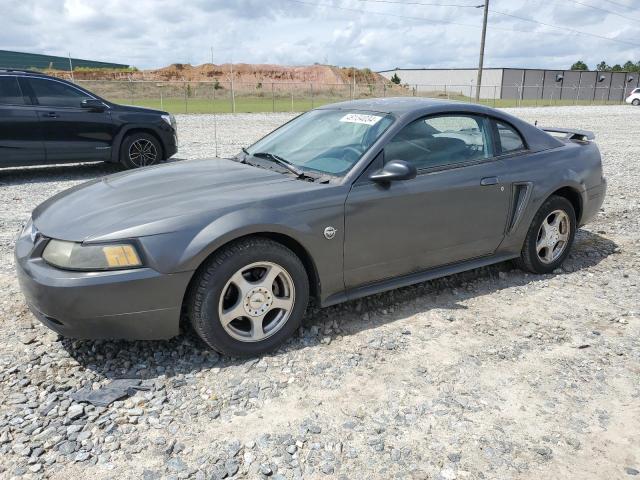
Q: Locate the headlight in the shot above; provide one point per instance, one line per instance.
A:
(75, 256)
(170, 119)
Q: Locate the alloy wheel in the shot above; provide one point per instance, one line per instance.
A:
(256, 302)
(553, 236)
(143, 152)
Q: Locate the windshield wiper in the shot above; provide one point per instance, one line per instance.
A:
(280, 161)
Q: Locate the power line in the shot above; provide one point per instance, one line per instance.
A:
(429, 4)
(565, 29)
(619, 4)
(394, 15)
(507, 14)
(621, 15)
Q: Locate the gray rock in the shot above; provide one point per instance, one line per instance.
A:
(150, 475)
(67, 448)
(16, 398)
(176, 465)
(75, 411)
(631, 471)
(232, 467)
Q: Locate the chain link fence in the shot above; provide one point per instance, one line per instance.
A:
(232, 97)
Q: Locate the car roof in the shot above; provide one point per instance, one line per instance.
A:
(410, 108)
(16, 71)
(396, 105)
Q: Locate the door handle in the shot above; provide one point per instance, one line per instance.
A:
(50, 115)
(489, 181)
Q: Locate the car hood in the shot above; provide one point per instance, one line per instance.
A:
(135, 109)
(158, 199)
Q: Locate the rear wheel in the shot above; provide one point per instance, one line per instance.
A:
(550, 236)
(140, 149)
(636, 102)
(249, 297)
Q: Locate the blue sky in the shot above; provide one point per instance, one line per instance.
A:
(374, 34)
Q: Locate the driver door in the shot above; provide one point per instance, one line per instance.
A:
(455, 209)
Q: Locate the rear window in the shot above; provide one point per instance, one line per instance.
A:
(510, 139)
(10, 93)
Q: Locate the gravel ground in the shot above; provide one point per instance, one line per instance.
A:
(491, 374)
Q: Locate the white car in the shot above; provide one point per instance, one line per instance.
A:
(634, 97)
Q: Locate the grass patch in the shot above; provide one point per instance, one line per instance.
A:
(284, 104)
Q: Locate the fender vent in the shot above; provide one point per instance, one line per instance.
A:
(521, 192)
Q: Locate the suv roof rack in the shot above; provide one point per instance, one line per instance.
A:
(20, 70)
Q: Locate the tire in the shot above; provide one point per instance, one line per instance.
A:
(140, 149)
(234, 308)
(636, 102)
(544, 256)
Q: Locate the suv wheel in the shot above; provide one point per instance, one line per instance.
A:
(140, 150)
(550, 236)
(636, 101)
(249, 297)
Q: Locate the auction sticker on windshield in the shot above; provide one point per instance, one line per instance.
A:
(361, 118)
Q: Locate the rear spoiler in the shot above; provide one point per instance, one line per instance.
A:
(572, 133)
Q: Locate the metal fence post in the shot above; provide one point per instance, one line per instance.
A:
(384, 89)
(291, 90)
(185, 98)
(311, 85)
(233, 98)
(494, 96)
(273, 98)
(214, 97)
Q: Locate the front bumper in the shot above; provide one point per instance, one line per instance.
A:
(135, 304)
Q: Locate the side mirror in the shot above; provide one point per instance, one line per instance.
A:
(393, 171)
(93, 104)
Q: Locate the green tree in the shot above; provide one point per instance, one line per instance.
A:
(395, 79)
(579, 65)
(603, 67)
(616, 68)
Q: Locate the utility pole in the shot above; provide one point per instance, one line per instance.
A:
(70, 66)
(481, 62)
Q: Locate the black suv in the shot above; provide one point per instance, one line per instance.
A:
(48, 120)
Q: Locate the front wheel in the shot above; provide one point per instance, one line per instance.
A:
(249, 297)
(550, 236)
(636, 102)
(140, 149)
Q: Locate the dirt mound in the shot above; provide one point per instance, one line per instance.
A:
(239, 72)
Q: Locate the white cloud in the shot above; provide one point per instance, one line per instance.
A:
(154, 33)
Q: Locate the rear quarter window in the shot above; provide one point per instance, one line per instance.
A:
(10, 93)
(510, 141)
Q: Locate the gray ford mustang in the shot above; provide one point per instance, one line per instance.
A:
(341, 202)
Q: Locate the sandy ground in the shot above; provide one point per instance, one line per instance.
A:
(491, 374)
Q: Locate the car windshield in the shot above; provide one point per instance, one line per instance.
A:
(326, 141)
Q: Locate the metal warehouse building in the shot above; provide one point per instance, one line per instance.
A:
(521, 83)
(23, 60)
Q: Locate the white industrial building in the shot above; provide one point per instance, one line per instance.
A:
(519, 83)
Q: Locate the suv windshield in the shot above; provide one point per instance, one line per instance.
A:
(326, 141)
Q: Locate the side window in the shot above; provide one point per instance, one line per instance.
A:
(55, 94)
(440, 140)
(510, 140)
(10, 93)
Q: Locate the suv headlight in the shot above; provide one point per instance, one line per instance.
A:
(76, 256)
(170, 119)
